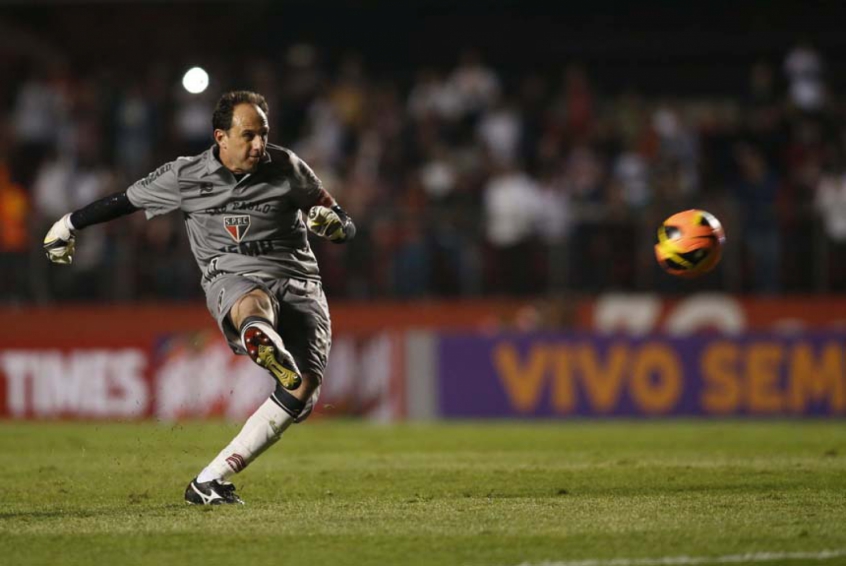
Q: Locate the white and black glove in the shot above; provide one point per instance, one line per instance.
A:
(331, 223)
(60, 241)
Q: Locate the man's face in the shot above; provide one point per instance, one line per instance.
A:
(242, 146)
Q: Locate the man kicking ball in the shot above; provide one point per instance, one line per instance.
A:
(242, 201)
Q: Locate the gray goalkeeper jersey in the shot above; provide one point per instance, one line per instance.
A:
(252, 226)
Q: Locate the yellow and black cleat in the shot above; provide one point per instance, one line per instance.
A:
(280, 364)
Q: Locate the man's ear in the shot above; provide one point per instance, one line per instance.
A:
(219, 135)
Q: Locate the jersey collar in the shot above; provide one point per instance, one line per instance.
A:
(213, 164)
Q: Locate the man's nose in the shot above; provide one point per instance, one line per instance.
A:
(258, 144)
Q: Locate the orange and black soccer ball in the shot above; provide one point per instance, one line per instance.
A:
(690, 243)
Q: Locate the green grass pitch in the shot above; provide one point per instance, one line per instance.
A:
(493, 494)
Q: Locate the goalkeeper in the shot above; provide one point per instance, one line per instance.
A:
(242, 201)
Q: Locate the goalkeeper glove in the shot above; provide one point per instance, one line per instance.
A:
(331, 223)
(60, 241)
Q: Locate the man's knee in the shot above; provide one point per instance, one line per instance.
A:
(311, 401)
(300, 402)
(311, 383)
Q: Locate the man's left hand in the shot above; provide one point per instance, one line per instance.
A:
(326, 223)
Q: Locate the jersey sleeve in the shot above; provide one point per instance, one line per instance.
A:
(157, 193)
(307, 189)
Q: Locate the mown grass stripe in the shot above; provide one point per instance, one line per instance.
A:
(748, 558)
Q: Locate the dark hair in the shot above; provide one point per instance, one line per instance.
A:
(222, 117)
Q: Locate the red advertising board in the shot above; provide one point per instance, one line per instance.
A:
(170, 363)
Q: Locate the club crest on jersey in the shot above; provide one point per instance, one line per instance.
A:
(237, 226)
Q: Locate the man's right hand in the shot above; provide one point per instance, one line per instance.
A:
(60, 241)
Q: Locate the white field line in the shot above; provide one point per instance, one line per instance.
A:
(748, 558)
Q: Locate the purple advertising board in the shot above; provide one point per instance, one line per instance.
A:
(561, 375)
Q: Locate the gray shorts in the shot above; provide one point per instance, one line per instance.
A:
(302, 316)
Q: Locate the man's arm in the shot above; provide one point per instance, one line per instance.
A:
(103, 210)
(157, 193)
(325, 216)
(60, 241)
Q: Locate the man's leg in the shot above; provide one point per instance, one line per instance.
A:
(254, 317)
(255, 311)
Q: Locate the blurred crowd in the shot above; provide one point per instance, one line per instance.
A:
(463, 181)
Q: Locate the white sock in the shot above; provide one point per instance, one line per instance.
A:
(260, 432)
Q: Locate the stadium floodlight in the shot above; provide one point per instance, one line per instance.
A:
(195, 80)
